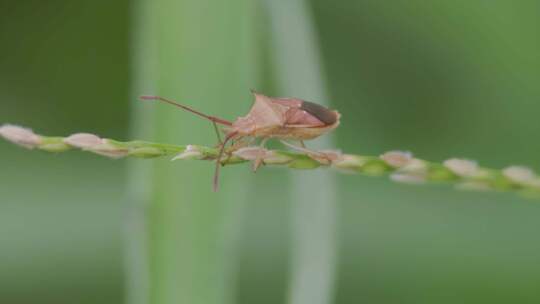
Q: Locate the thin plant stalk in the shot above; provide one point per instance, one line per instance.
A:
(139, 196)
(299, 72)
(200, 52)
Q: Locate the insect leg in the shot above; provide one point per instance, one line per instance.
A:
(237, 143)
(240, 143)
(301, 149)
(218, 160)
(217, 132)
(327, 157)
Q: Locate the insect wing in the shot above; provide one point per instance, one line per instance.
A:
(325, 115)
(297, 117)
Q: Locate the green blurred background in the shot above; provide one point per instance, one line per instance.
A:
(439, 78)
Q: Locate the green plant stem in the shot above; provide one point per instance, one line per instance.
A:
(299, 71)
(201, 53)
(144, 75)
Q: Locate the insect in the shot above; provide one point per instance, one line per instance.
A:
(269, 117)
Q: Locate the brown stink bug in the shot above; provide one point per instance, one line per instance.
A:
(269, 117)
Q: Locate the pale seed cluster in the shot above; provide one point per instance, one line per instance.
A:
(20, 136)
(402, 165)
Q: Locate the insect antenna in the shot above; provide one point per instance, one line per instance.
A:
(211, 118)
(218, 160)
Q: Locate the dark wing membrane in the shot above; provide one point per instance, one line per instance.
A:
(323, 114)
